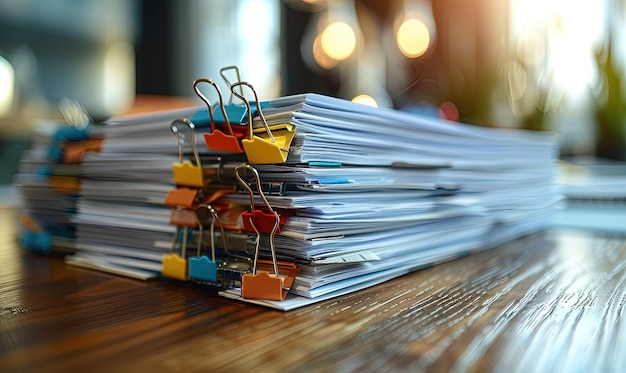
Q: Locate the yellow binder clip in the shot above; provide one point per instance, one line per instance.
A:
(265, 146)
(186, 173)
(173, 265)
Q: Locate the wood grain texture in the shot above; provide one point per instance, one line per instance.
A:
(549, 302)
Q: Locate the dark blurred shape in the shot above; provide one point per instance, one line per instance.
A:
(50, 50)
(155, 47)
(297, 77)
(81, 50)
(460, 67)
(610, 98)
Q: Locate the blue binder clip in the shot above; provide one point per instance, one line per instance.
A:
(236, 113)
(201, 267)
(37, 241)
(77, 129)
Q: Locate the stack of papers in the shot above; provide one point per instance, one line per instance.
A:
(48, 186)
(595, 190)
(49, 179)
(367, 194)
(122, 224)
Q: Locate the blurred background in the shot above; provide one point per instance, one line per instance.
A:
(556, 65)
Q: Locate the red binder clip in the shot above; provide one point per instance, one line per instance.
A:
(257, 219)
(218, 140)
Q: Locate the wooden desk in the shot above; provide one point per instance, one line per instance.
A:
(549, 302)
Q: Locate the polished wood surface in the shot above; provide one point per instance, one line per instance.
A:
(553, 301)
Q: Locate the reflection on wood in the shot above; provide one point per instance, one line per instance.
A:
(549, 302)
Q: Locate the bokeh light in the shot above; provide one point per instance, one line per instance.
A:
(321, 58)
(338, 40)
(365, 100)
(413, 38)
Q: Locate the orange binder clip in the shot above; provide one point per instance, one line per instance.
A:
(64, 184)
(288, 270)
(218, 140)
(183, 217)
(262, 285)
(186, 173)
(74, 152)
(268, 147)
(183, 196)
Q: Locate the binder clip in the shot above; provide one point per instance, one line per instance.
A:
(36, 241)
(225, 171)
(265, 146)
(32, 236)
(76, 130)
(236, 113)
(186, 173)
(183, 196)
(218, 140)
(225, 78)
(64, 184)
(261, 284)
(173, 265)
(201, 267)
(74, 152)
(259, 219)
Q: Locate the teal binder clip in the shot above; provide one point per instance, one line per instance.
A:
(201, 268)
(228, 83)
(77, 129)
(36, 241)
(236, 113)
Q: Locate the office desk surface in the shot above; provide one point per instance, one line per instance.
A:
(553, 301)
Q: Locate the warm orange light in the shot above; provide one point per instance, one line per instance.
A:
(321, 58)
(413, 38)
(338, 40)
(365, 100)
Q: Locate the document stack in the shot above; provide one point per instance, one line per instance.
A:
(298, 199)
(48, 180)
